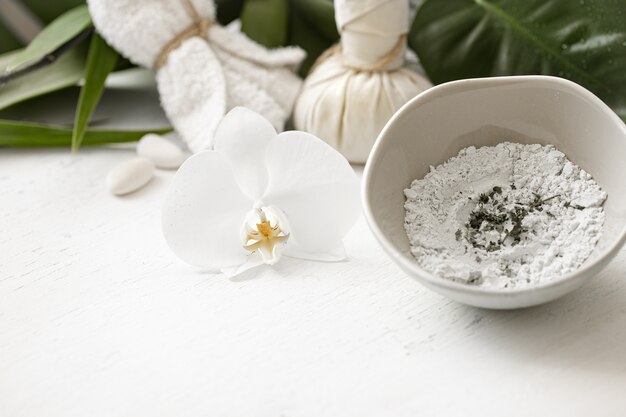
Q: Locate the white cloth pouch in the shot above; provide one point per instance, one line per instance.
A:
(355, 88)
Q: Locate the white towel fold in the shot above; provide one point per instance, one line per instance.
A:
(204, 77)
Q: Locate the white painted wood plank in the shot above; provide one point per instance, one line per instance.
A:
(98, 318)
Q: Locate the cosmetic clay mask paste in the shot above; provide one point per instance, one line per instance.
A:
(504, 216)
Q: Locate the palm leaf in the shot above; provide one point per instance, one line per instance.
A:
(26, 134)
(585, 43)
(59, 32)
(266, 21)
(65, 72)
(101, 61)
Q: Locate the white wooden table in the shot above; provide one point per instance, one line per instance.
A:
(98, 318)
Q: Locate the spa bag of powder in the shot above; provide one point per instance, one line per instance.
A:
(357, 85)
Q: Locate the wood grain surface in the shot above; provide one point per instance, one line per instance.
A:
(98, 318)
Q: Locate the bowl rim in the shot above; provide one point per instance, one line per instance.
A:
(471, 83)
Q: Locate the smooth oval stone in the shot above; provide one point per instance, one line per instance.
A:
(163, 152)
(130, 175)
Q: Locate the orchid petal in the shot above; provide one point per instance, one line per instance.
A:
(253, 261)
(242, 137)
(203, 213)
(316, 188)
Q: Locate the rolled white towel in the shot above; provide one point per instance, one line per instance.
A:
(203, 69)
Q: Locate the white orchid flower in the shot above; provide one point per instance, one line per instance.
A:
(258, 195)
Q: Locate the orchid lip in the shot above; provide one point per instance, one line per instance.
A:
(266, 232)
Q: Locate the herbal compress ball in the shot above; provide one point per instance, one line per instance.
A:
(355, 87)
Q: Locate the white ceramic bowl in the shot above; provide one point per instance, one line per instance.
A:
(438, 123)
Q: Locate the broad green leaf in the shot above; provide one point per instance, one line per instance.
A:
(126, 105)
(320, 14)
(266, 21)
(48, 10)
(24, 134)
(56, 34)
(312, 28)
(8, 42)
(309, 24)
(66, 71)
(101, 61)
(584, 41)
(307, 38)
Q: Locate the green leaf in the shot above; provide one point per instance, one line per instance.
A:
(57, 33)
(309, 24)
(25, 134)
(101, 61)
(320, 14)
(584, 41)
(266, 21)
(8, 42)
(65, 72)
(312, 28)
(48, 10)
(307, 38)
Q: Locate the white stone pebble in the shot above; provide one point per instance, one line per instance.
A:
(160, 150)
(129, 175)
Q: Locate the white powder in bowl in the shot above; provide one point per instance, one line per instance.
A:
(504, 216)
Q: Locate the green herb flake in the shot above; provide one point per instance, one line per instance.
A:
(491, 214)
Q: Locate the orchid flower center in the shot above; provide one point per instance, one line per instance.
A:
(266, 232)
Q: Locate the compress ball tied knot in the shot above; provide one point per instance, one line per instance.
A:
(358, 84)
